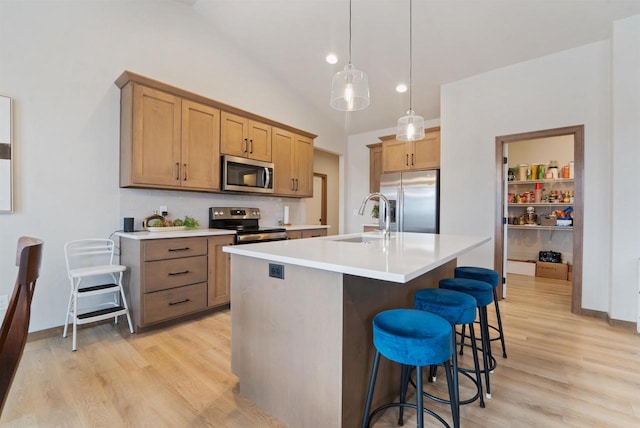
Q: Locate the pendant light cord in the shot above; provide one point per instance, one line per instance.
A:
(349, 31)
(410, 55)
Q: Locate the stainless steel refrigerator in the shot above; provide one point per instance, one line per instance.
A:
(415, 200)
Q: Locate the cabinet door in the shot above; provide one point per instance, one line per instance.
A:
(375, 168)
(303, 166)
(426, 152)
(395, 156)
(233, 134)
(156, 137)
(219, 292)
(312, 233)
(200, 146)
(259, 141)
(283, 153)
(294, 234)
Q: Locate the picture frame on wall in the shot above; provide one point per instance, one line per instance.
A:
(6, 154)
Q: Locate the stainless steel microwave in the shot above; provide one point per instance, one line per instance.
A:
(246, 175)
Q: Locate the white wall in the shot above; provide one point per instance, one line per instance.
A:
(58, 60)
(563, 89)
(625, 231)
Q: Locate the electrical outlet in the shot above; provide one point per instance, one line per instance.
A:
(163, 210)
(276, 271)
(4, 302)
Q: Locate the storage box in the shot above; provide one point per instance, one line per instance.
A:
(544, 221)
(521, 267)
(551, 270)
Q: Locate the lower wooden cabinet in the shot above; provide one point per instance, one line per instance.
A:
(306, 233)
(174, 277)
(219, 291)
(174, 302)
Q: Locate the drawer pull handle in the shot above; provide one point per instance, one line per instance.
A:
(179, 302)
(179, 249)
(178, 273)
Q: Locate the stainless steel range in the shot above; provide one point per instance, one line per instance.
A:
(245, 222)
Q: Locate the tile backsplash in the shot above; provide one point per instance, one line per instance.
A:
(141, 203)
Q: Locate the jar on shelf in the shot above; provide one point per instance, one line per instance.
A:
(522, 171)
(538, 193)
(553, 169)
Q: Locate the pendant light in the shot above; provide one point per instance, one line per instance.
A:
(350, 87)
(411, 126)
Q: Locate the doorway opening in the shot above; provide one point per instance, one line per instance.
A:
(317, 206)
(501, 224)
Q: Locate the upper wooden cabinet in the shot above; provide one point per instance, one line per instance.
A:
(246, 138)
(166, 141)
(200, 146)
(292, 164)
(172, 139)
(411, 155)
(375, 166)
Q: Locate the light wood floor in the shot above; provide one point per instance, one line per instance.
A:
(562, 370)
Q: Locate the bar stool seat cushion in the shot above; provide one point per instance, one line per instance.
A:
(489, 276)
(456, 307)
(412, 337)
(482, 291)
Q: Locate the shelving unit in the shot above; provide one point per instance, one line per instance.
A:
(536, 227)
(561, 183)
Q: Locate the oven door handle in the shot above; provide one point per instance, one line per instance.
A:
(267, 178)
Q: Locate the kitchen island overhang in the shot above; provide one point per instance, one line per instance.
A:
(301, 346)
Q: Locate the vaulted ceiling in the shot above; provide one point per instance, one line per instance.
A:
(452, 40)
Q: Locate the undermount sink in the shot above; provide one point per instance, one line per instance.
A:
(361, 239)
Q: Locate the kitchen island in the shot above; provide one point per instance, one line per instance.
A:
(301, 345)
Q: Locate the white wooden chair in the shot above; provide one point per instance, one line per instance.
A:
(91, 260)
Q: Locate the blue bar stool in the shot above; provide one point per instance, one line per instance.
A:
(459, 309)
(492, 278)
(412, 338)
(483, 294)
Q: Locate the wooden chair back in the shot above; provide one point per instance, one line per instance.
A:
(15, 325)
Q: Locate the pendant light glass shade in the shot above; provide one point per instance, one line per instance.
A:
(350, 89)
(410, 127)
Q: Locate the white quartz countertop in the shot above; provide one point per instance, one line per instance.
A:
(186, 233)
(403, 257)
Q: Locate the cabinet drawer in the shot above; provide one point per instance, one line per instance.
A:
(164, 274)
(163, 249)
(173, 303)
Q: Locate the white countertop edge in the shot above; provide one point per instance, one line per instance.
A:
(352, 270)
(304, 226)
(367, 273)
(187, 233)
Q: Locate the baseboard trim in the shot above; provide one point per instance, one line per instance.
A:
(57, 331)
(611, 321)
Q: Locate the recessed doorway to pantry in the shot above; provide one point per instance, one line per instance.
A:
(540, 180)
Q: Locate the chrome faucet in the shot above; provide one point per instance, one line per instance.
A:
(387, 210)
